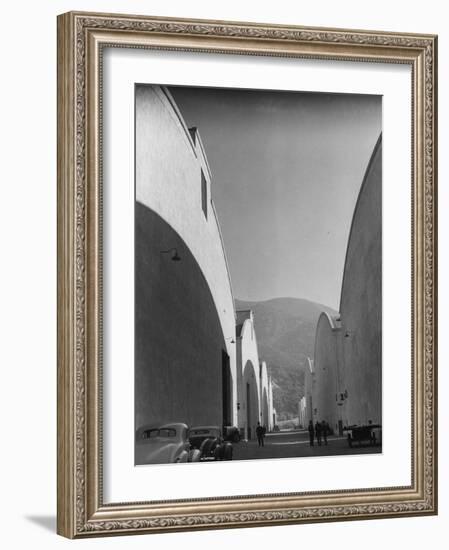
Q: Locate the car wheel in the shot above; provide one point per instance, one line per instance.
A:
(227, 452)
(218, 452)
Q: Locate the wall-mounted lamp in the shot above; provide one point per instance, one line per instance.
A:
(347, 334)
(175, 257)
(232, 340)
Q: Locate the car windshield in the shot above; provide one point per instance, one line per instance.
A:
(158, 432)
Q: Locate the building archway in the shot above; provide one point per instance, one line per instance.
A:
(227, 398)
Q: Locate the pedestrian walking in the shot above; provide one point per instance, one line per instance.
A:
(318, 432)
(260, 434)
(311, 433)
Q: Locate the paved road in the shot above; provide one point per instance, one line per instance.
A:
(296, 443)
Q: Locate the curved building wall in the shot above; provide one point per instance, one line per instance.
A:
(248, 375)
(264, 399)
(302, 412)
(327, 371)
(184, 310)
(361, 301)
(170, 164)
(179, 342)
(270, 424)
(309, 390)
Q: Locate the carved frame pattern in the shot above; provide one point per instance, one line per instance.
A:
(81, 37)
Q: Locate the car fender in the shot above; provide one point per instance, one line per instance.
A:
(227, 451)
(194, 455)
(207, 446)
(183, 456)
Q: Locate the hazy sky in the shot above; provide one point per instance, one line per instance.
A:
(286, 171)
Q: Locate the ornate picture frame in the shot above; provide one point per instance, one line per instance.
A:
(82, 39)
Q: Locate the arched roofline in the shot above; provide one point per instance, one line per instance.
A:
(245, 324)
(333, 320)
(240, 327)
(365, 179)
(170, 99)
(248, 324)
(166, 92)
(253, 367)
(334, 323)
(310, 362)
(196, 138)
(228, 271)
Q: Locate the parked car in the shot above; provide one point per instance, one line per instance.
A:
(232, 433)
(164, 444)
(209, 441)
(370, 433)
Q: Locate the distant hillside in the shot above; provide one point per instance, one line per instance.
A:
(285, 330)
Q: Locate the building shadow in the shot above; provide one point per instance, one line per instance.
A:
(46, 522)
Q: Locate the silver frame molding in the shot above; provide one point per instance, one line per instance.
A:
(81, 38)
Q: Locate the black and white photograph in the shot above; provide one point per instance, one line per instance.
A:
(258, 274)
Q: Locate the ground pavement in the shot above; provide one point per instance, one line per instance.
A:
(287, 444)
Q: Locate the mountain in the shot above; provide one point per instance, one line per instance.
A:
(285, 330)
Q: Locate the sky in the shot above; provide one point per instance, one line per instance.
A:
(286, 168)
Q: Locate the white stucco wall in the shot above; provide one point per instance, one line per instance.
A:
(168, 180)
(361, 300)
(302, 412)
(309, 389)
(270, 404)
(247, 352)
(328, 372)
(264, 382)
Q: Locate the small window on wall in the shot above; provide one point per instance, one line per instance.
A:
(204, 193)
